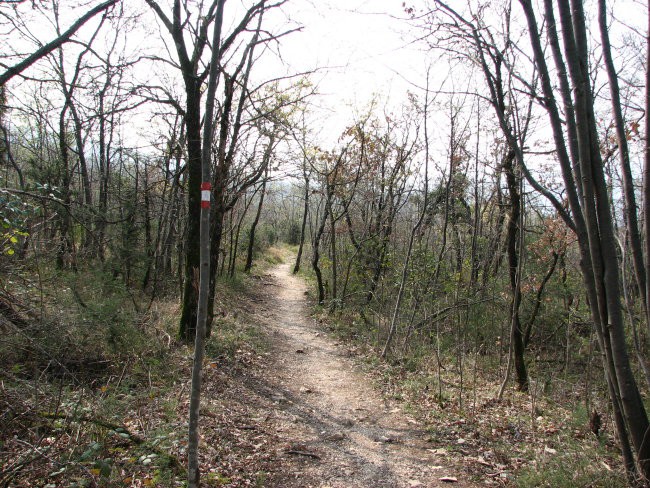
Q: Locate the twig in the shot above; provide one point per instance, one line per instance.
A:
(303, 453)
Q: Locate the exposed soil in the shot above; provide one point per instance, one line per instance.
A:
(332, 427)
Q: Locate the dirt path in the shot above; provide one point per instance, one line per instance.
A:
(338, 429)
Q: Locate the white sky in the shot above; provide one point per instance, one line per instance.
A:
(361, 48)
(362, 40)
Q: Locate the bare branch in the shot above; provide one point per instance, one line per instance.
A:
(52, 45)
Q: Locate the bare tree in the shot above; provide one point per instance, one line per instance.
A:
(46, 49)
(587, 190)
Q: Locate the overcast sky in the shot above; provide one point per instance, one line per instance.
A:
(362, 48)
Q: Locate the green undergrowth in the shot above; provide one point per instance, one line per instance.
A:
(569, 470)
(276, 255)
(87, 376)
(95, 383)
(269, 257)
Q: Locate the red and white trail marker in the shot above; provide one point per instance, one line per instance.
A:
(205, 195)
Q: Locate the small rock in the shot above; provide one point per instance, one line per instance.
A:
(384, 439)
(305, 390)
(449, 479)
(335, 437)
(300, 351)
(277, 397)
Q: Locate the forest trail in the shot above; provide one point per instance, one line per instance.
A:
(339, 430)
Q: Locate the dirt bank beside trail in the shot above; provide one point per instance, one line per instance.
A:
(335, 430)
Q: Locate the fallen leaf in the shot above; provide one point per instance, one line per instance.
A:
(439, 451)
(482, 461)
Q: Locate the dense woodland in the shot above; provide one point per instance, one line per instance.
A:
(490, 229)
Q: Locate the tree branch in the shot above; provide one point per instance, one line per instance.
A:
(52, 45)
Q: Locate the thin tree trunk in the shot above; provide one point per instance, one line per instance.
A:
(646, 173)
(305, 213)
(65, 250)
(315, 259)
(225, 154)
(538, 299)
(193, 472)
(515, 239)
(233, 262)
(602, 243)
(631, 209)
(251, 236)
(599, 262)
(334, 260)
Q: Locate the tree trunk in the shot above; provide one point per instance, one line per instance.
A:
(333, 259)
(193, 471)
(595, 233)
(646, 173)
(315, 259)
(65, 250)
(634, 236)
(514, 241)
(187, 326)
(251, 236)
(303, 226)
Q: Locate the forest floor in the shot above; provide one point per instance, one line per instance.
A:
(322, 412)
(288, 402)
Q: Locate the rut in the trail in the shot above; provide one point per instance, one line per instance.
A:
(340, 431)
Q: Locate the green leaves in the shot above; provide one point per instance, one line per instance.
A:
(10, 241)
(14, 213)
